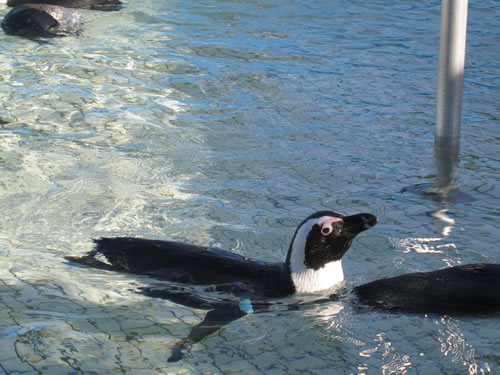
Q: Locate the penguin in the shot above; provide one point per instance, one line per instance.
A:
(464, 289)
(50, 18)
(41, 20)
(229, 285)
(105, 5)
(313, 262)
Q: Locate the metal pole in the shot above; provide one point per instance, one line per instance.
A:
(451, 74)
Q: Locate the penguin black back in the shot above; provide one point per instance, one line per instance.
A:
(189, 264)
(471, 288)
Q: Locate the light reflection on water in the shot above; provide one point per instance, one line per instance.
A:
(226, 123)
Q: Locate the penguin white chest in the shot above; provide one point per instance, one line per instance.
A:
(309, 280)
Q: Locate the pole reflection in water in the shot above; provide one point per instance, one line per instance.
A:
(446, 183)
(446, 158)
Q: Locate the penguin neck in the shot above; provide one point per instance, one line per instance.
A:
(308, 280)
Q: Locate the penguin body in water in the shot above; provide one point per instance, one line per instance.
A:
(41, 20)
(50, 18)
(465, 289)
(230, 285)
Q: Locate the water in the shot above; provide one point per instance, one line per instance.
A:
(225, 123)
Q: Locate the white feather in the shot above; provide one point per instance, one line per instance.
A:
(308, 280)
(102, 258)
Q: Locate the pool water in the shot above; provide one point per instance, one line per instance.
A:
(225, 123)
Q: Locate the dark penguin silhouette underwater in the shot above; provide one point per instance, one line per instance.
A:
(230, 286)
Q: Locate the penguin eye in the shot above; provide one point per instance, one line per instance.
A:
(325, 231)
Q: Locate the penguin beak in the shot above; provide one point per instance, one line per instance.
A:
(355, 224)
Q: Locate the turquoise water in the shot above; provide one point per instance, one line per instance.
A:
(225, 123)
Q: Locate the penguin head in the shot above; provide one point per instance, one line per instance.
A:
(314, 258)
